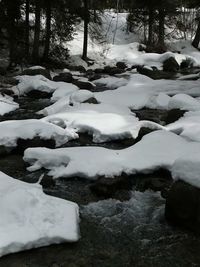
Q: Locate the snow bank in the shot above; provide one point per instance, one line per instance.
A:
(31, 219)
(64, 90)
(184, 102)
(7, 104)
(40, 83)
(111, 82)
(187, 126)
(187, 168)
(103, 126)
(157, 150)
(11, 131)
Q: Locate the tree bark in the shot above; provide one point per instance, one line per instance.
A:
(150, 32)
(36, 43)
(48, 31)
(161, 35)
(86, 23)
(196, 40)
(27, 29)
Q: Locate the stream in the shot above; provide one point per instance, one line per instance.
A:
(114, 233)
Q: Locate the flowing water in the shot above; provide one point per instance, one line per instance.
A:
(132, 233)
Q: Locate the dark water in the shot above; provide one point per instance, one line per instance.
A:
(113, 233)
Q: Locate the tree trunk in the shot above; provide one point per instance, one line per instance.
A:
(196, 40)
(27, 29)
(151, 20)
(86, 23)
(161, 36)
(48, 31)
(36, 43)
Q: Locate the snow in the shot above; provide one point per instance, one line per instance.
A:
(156, 150)
(184, 102)
(103, 126)
(31, 219)
(65, 90)
(40, 83)
(111, 82)
(187, 168)
(36, 68)
(7, 104)
(188, 126)
(80, 96)
(11, 131)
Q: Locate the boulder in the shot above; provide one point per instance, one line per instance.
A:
(36, 94)
(113, 70)
(84, 85)
(170, 65)
(121, 65)
(183, 206)
(63, 77)
(91, 100)
(39, 71)
(77, 68)
(154, 74)
(109, 187)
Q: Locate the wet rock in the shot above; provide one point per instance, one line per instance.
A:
(98, 70)
(174, 115)
(186, 63)
(121, 65)
(171, 65)
(156, 115)
(77, 68)
(39, 71)
(91, 100)
(154, 74)
(91, 75)
(36, 94)
(23, 144)
(63, 77)
(159, 180)
(110, 187)
(5, 91)
(47, 182)
(84, 85)
(183, 206)
(113, 70)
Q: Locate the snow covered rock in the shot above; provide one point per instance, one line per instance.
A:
(170, 65)
(156, 150)
(31, 219)
(184, 102)
(37, 70)
(7, 104)
(12, 131)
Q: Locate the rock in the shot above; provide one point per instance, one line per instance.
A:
(99, 71)
(6, 92)
(38, 94)
(121, 65)
(91, 75)
(112, 70)
(48, 182)
(187, 63)
(183, 206)
(108, 187)
(39, 71)
(159, 180)
(170, 65)
(77, 68)
(84, 85)
(154, 74)
(63, 77)
(174, 115)
(91, 100)
(23, 144)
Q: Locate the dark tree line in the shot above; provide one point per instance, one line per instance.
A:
(36, 29)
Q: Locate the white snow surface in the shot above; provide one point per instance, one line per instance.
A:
(31, 219)
(7, 104)
(156, 150)
(11, 131)
(103, 126)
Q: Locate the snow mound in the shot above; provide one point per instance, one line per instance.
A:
(157, 150)
(65, 89)
(103, 126)
(188, 126)
(184, 102)
(31, 219)
(11, 131)
(111, 82)
(187, 168)
(80, 96)
(7, 104)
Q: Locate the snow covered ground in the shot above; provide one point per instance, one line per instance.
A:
(31, 219)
